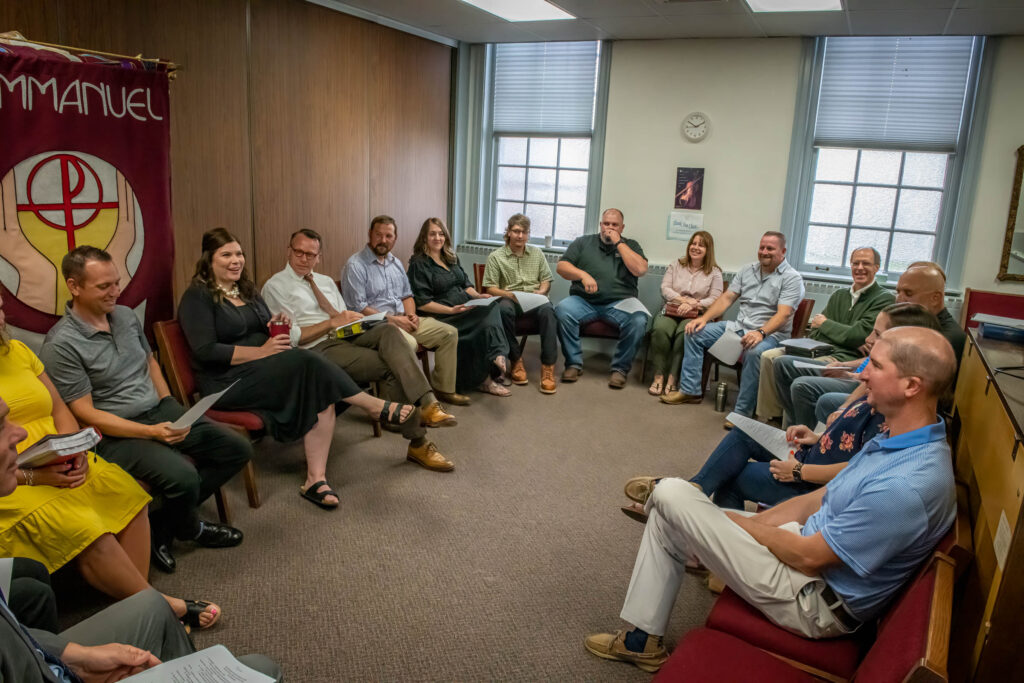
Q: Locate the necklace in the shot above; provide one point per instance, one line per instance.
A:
(232, 293)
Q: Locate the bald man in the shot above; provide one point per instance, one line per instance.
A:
(826, 562)
(924, 282)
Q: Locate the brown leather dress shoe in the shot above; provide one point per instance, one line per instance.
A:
(616, 380)
(518, 374)
(678, 397)
(547, 379)
(454, 399)
(571, 374)
(435, 416)
(613, 646)
(429, 457)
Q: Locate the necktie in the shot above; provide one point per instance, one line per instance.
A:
(51, 661)
(321, 300)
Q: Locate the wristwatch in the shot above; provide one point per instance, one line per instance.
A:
(764, 335)
(796, 471)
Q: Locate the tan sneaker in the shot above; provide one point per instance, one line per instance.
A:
(678, 397)
(547, 379)
(428, 456)
(613, 646)
(518, 374)
(571, 374)
(435, 416)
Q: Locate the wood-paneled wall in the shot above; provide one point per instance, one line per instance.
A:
(284, 114)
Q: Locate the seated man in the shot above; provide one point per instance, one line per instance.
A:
(922, 283)
(314, 304)
(823, 563)
(519, 267)
(374, 281)
(845, 323)
(101, 363)
(769, 291)
(124, 639)
(604, 270)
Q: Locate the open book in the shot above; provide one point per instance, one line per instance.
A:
(57, 448)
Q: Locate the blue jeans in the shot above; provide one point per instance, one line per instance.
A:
(805, 392)
(828, 404)
(573, 311)
(693, 363)
(730, 478)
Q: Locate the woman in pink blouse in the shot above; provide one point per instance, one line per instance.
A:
(690, 285)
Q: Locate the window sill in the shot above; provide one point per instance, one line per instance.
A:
(554, 249)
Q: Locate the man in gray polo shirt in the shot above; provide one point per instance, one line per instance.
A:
(102, 365)
(769, 291)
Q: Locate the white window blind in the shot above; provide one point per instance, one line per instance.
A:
(903, 93)
(545, 87)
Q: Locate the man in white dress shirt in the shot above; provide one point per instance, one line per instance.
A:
(315, 305)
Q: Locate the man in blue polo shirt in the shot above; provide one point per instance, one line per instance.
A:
(823, 563)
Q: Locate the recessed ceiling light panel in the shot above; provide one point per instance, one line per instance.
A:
(522, 10)
(795, 5)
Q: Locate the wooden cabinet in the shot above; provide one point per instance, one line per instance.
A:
(989, 456)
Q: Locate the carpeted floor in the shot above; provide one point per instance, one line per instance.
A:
(495, 571)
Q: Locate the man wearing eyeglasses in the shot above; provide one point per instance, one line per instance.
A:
(314, 303)
(519, 267)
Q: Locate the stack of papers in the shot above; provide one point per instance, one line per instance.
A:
(998, 320)
(58, 448)
(529, 300)
(213, 665)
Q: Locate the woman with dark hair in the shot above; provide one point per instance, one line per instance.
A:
(441, 288)
(689, 286)
(226, 323)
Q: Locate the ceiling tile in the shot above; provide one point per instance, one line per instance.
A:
(989, 4)
(424, 14)
(802, 23)
(899, 22)
(564, 30)
(704, 7)
(992, 22)
(585, 9)
(504, 32)
(634, 28)
(859, 5)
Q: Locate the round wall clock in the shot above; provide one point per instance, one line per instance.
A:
(696, 126)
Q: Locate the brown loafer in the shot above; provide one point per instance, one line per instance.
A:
(571, 374)
(518, 374)
(678, 398)
(613, 646)
(547, 379)
(616, 380)
(429, 457)
(640, 488)
(435, 416)
(454, 399)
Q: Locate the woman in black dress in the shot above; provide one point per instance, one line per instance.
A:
(294, 390)
(441, 288)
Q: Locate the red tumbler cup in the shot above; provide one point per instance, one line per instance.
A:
(277, 327)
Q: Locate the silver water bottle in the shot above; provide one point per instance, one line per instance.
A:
(721, 397)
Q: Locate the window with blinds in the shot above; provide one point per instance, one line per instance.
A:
(889, 125)
(543, 103)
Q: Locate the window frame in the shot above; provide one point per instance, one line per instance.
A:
(953, 212)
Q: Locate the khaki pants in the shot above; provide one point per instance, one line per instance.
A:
(443, 340)
(684, 523)
(768, 405)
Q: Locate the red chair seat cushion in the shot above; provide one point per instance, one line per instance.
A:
(733, 615)
(599, 328)
(705, 655)
(249, 421)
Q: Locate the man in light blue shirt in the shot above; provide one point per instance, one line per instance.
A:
(823, 563)
(768, 292)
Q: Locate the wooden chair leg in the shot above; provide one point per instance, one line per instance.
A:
(223, 512)
(249, 477)
(522, 344)
(425, 362)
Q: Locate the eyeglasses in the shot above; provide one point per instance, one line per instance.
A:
(519, 231)
(303, 254)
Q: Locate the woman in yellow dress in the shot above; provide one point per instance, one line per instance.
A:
(87, 509)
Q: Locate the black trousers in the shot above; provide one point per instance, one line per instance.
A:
(546, 321)
(217, 452)
(30, 597)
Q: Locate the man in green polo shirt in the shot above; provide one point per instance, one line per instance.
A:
(604, 270)
(519, 267)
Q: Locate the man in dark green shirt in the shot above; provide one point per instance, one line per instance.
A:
(604, 269)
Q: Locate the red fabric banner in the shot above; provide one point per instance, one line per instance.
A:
(84, 159)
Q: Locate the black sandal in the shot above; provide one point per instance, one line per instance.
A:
(194, 608)
(394, 417)
(316, 497)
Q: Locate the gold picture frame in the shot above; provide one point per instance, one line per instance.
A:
(1011, 223)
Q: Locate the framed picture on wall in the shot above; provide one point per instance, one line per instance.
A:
(689, 188)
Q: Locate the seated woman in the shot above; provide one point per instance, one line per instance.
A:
(87, 509)
(226, 323)
(689, 286)
(440, 288)
(740, 469)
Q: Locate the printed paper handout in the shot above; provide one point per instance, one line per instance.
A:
(773, 440)
(529, 300)
(199, 409)
(632, 305)
(212, 665)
